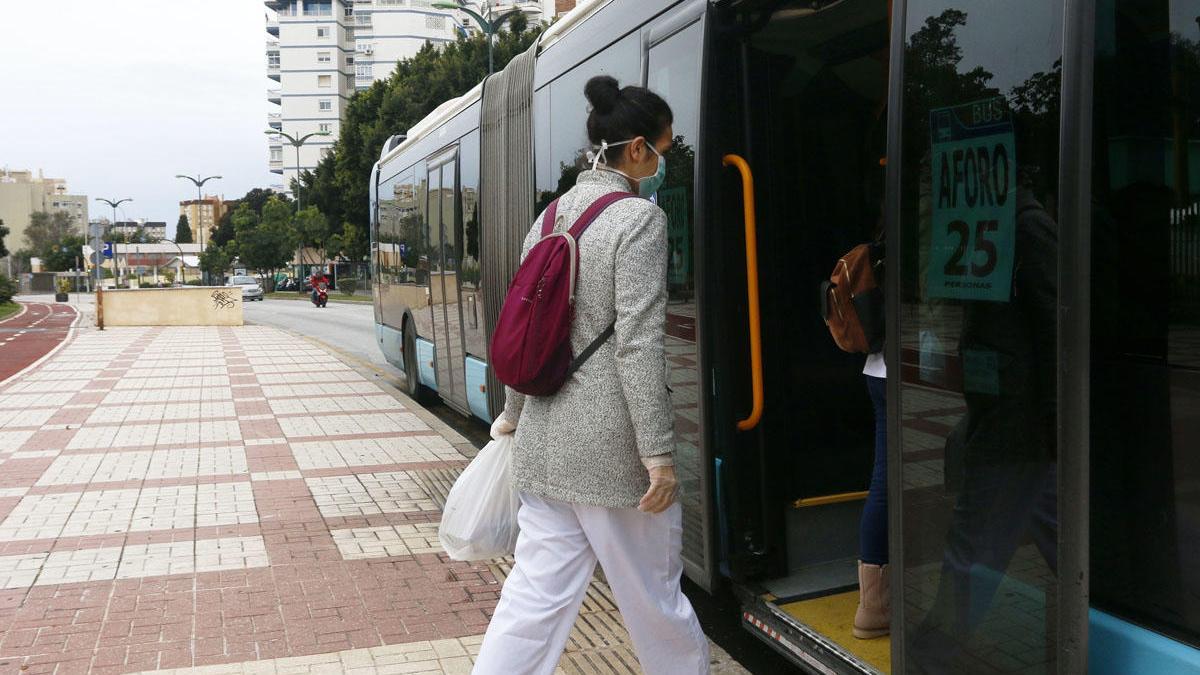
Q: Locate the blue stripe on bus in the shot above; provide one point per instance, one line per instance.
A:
(477, 388)
(425, 356)
(1117, 647)
(391, 343)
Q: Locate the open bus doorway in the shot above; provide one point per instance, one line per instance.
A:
(811, 124)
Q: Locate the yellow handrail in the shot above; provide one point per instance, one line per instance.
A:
(829, 499)
(756, 374)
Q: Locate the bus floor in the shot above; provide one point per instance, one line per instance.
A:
(832, 616)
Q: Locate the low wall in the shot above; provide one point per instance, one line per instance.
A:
(183, 306)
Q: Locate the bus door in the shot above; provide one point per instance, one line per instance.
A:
(445, 295)
(673, 66)
(796, 116)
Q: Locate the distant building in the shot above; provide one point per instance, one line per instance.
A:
(202, 215)
(152, 229)
(22, 194)
(320, 52)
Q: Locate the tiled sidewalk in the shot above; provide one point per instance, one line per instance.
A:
(185, 498)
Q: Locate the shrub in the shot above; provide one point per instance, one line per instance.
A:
(347, 286)
(8, 288)
(64, 285)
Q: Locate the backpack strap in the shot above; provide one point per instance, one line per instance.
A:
(591, 349)
(589, 214)
(585, 219)
(548, 217)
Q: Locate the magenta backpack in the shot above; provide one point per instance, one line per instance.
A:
(531, 347)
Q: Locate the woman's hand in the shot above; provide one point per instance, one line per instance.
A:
(502, 427)
(661, 494)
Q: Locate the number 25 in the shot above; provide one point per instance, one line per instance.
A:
(953, 267)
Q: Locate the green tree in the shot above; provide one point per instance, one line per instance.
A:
(46, 230)
(3, 234)
(268, 243)
(215, 260)
(183, 230)
(312, 231)
(350, 244)
(61, 255)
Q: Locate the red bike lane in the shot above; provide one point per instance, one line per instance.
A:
(31, 334)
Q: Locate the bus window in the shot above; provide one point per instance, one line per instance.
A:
(568, 116)
(674, 74)
(978, 326)
(1145, 345)
(467, 242)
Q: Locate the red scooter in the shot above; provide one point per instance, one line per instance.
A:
(321, 294)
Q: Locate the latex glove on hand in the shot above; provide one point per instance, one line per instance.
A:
(502, 427)
(663, 488)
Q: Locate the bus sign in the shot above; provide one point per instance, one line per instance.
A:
(974, 201)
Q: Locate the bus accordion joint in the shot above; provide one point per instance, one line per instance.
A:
(756, 372)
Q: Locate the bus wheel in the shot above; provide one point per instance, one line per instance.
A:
(412, 382)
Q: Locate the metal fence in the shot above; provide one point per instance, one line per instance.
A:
(1185, 257)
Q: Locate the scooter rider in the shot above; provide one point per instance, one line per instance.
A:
(318, 277)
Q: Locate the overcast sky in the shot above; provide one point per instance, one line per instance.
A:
(118, 96)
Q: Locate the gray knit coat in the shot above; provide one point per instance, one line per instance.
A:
(584, 443)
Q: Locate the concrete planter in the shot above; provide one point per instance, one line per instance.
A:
(60, 297)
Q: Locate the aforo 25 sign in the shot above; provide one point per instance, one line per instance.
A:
(974, 201)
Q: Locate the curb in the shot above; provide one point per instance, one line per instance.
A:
(65, 341)
(24, 308)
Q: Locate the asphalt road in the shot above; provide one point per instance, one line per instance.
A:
(350, 328)
(347, 327)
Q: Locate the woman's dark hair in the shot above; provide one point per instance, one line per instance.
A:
(620, 114)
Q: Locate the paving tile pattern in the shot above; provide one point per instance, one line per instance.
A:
(208, 500)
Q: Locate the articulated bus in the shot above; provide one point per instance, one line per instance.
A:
(1030, 166)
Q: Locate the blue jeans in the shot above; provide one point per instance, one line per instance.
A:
(873, 529)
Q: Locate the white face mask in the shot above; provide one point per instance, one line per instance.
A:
(647, 185)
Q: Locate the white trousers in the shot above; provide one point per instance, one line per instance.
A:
(556, 555)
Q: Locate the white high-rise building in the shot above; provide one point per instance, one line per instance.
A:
(310, 54)
(321, 51)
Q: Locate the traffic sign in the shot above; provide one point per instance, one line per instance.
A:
(108, 249)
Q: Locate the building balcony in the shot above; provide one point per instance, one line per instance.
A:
(274, 96)
(276, 165)
(275, 121)
(273, 26)
(273, 71)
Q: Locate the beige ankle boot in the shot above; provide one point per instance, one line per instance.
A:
(874, 616)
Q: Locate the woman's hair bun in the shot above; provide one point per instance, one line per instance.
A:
(602, 92)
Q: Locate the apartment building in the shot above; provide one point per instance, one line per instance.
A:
(154, 230)
(203, 215)
(319, 52)
(310, 56)
(23, 193)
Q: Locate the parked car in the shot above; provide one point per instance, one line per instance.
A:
(251, 289)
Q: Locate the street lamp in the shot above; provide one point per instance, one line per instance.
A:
(489, 26)
(296, 143)
(96, 242)
(199, 183)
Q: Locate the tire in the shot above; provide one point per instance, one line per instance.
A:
(412, 386)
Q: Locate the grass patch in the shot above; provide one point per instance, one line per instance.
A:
(7, 309)
(334, 296)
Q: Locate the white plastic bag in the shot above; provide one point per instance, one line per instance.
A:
(480, 518)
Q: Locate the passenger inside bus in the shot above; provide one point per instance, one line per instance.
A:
(814, 130)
